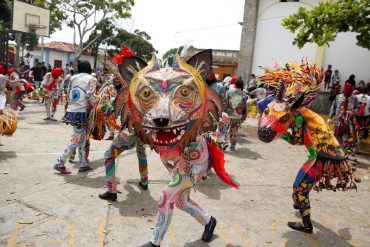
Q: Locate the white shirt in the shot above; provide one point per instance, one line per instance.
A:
(81, 90)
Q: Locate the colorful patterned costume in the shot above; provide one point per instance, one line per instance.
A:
(361, 118)
(8, 117)
(236, 108)
(340, 118)
(124, 140)
(168, 108)
(52, 88)
(296, 89)
(17, 91)
(81, 100)
(105, 119)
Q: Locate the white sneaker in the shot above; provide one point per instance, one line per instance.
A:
(53, 119)
(47, 118)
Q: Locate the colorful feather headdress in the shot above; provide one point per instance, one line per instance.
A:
(293, 81)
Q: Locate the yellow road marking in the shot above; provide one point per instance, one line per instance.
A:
(172, 236)
(71, 242)
(238, 231)
(100, 232)
(40, 242)
(223, 236)
(12, 242)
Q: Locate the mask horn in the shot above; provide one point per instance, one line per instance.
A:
(280, 91)
(297, 101)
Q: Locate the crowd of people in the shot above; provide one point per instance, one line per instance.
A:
(205, 122)
(350, 109)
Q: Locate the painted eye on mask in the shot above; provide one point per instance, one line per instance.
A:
(184, 92)
(146, 93)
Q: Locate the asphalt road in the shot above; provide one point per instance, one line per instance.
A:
(39, 207)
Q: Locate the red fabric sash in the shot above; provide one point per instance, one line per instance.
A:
(217, 160)
(52, 84)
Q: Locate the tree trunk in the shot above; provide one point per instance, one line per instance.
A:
(248, 37)
(18, 40)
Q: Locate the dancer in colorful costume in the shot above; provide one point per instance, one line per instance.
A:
(168, 108)
(236, 108)
(361, 118)
(52, 88)
(17, 87)
(105, 118)
(8, 117)
(339, 114)
(288, 117)
(81, 100)
(124, 141)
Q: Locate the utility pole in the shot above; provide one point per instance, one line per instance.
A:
(248, 37)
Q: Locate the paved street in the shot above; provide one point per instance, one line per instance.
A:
(39, 207)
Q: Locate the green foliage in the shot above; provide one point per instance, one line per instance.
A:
(322, 24)
(169, 55)
(86, 16)
(6, 14)
(138, 41)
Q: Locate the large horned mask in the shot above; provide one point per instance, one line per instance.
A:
(168, 106)
(278, 115)
(295, 87)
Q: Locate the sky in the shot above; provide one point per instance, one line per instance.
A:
(172, 23)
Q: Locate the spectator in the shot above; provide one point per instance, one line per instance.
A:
(252, 84)
(66, 70)
(27, 62)
(335, 90)
(37, 73)
(49, 68)
(335, 78)
(327, 78)
(361, 86)
(226, 82)
(349, 86)
(44, 69)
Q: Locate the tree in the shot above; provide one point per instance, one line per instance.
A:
(138, 41)
(84, 16)
(106, 27)
(56, 18)
(322, 24)
(168, 56)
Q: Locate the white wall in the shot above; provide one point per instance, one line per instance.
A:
(274, 42)
(57, 55)
(348, 58)
(88, 58)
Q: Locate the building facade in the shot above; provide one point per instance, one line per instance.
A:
(59, 54)
(224, 61)
(274, 42)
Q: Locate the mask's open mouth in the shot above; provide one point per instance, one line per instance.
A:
(166, 136)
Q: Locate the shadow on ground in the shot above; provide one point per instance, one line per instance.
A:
(200, 242)
(322, 234)
(7, 155)
(245, 153)
(212, 186)
(137, 202)
(82, 179)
